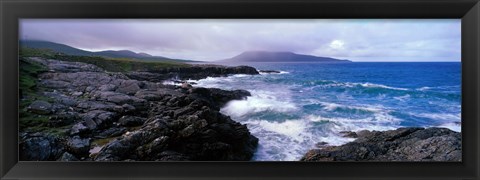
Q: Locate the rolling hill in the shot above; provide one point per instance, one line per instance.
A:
(65, 49)
(266, 56)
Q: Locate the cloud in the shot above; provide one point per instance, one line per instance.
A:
(213, 39)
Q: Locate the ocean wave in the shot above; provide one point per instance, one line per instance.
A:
(171, 83)
(402, 98)
(334, 106)
(289, 140)
(426, 88)
(452, 126)
(440, 116)
(260, 101)
(330, 83)
(379, 121)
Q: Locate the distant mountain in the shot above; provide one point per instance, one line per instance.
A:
(266, 56)
(62, 48)
(124, 54)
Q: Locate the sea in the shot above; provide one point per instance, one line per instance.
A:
(306, 104)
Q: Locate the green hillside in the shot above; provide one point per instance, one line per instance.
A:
(109, 64)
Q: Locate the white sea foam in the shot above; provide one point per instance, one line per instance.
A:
(440, 116)
(402, 98)
(291, 128)
(328, 83)
(372, 85)
(452, 126)
(171, 83)
(379, 121)
(260, 101)
(334, 106)
(289, 140)
(424, 88)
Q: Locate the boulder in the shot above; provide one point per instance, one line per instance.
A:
(40, 107)
(67, 157)
(40, 147)
(78, 146)
(130, 121)
(403, 144)
(129, 87)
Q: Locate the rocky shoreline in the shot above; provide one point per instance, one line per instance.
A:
(104, 116)
(403, 144)
(88, 114)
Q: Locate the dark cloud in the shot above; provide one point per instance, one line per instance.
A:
(373, 40)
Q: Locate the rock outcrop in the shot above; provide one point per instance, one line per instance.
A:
(403, 144)
(195, 72)
(117, 117)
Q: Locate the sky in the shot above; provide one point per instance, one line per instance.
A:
(373, 40)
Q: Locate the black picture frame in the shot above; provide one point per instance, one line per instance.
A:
(12, 10)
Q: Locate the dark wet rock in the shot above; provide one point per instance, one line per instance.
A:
(98, 119)
(321, 144)
(130, 121)
(107, 87)
(148, 120)
(348, 134)
(193, 72)
(63, 118)
(403, 144)
(67, 157)
(79, 129)
(269, 71)
(78, 146)
(111, 132)
(218, 97)
(64, 66)
(40, 107)
(157, 95)
(129, 87)
(98, 105)
(119, 98)
(61, 98)
(200, 134)
(40, 147)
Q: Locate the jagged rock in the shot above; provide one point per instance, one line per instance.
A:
(403, 144)
(130, 121)
(349, 134)
(65, 66)
(129, 87)
(111, 132)
(107, 87)
(67, 157)
(63, 118)
(98, 119)
(40, 107)
(40, 147)
(78, 146)
(191, 72)
(269, 71)
(179, 124)
(79, 129)
(96, 105)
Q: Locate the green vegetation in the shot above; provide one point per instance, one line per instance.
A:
(28, 80)
(30, 91)
(109, 64)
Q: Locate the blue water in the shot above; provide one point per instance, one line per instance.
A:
(309, 103)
